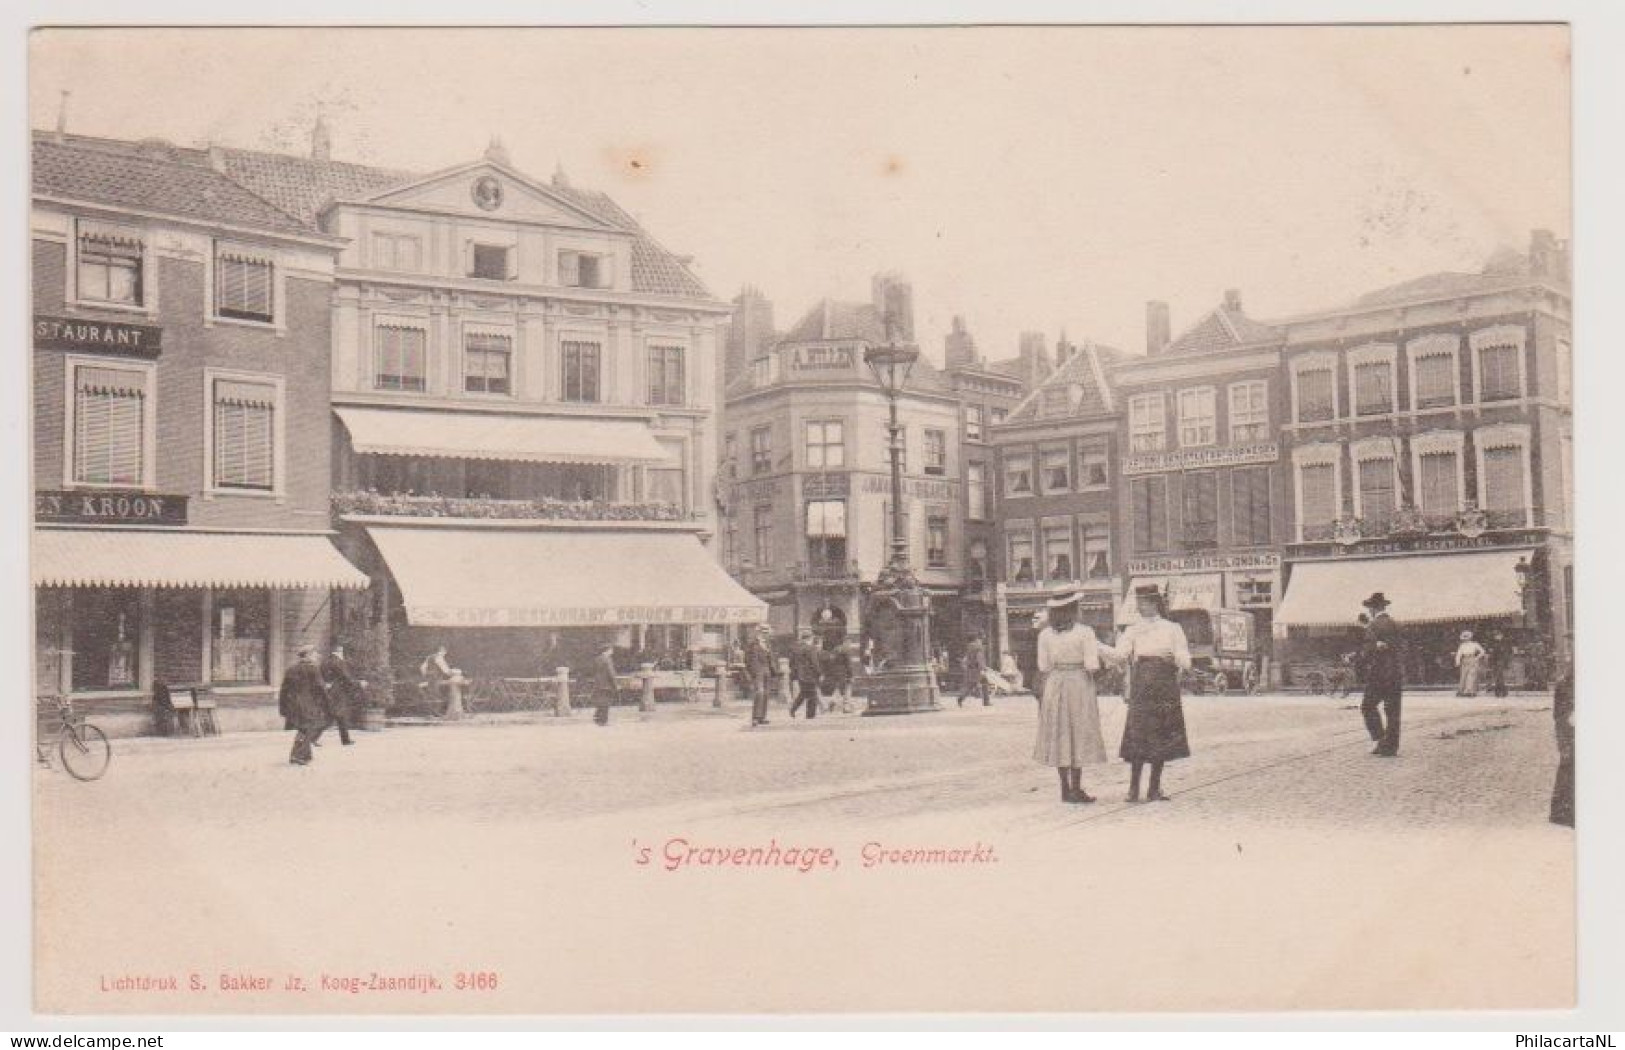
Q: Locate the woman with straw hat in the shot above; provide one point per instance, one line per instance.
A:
(1068, 716)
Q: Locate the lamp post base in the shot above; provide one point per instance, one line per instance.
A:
(901, 691)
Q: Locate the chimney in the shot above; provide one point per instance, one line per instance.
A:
(62, 119)
(497, 153)
(1545, 255)
(560, 179)
(321, 140)
(1157, 333)
(1232, 300)
(1063, 350)
(217, 157)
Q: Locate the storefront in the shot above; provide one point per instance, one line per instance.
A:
(120, 610)
(1247, 582)
(1434, 597)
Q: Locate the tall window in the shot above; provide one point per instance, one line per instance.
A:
(396, 251)
(1147, 427)
(399, 358)
(826, 534)
(244, 435)
(1092, 465)
(581, 371)
(1249, 412)
(1149, 507)
(1317, 395)
(936, 541)
(240, 637)
(936, 452)
(1197, 423)
(976, 491)
(487, 358)
(1499, 376)
(1438, 485)
(106, 638)
(1317, 502)
(973, 422)
(1250, 506)
(1097, 559)
(1018, 474)
(761, 450)
(1378, 500)
(1058, 551)
(1501, 487)
(1055, 468)
(1199, 495)
(109, 425)
(1021, 554)
(667, 483)
(1433, 376)
(730, 452)
(1374, 388)
(490, 262)
(763, 535)
(666, 385)
(242, 284)
(110, 265)
(826, 444)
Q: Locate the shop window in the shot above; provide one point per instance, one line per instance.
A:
(666, 380)
(580, 362)
(936, 452)
(1197, 423)
(244, 437)
(111, 424)
(487, 363)
(400, 358)
(243, 284)
(1097, 560)
(936, 542)
(1147, 425)
(826, 444)
(1018, 475)
(106, 645)
(1055, 468)
(1249, 412)
(1058, 552)
(110, 265)
(761, 450)
(1250, 506)
(1255, 594)
(1149, 507)
(240, 638)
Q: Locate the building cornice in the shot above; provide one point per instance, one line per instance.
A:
(76, 206)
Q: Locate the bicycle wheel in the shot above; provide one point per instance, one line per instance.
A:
(85, 752)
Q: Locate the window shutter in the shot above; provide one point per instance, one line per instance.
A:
(244, 434)
(109, 426)
(1439, 483)
(606, 271)
(1319, 494)
(1502, 487)
(569, 268)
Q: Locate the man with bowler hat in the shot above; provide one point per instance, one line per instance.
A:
(806, 670)
(758, 667)
(303, 704)
(1385, 677)
(343, 691)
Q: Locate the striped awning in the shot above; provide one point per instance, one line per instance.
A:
(521, 439)
(160, 558)
(1433, 588)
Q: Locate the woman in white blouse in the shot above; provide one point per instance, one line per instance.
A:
(1068, 716)
(1154, 728)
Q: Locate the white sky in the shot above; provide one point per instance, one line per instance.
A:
(1026, 178)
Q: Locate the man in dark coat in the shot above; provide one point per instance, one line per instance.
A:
(303, 704)
(758, 667)
(975, 665)
(838, 668)
(1500, 658)
(1563, 723)
(343, 691)
(806, 669)
(605, 684)
(1385, 677)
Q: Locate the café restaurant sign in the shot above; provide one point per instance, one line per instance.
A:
(1204, 563)
(102, 337)
(109, 508)
(1422, 544)
(582, 616)
(1191, 458)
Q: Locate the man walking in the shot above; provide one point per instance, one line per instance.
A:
(343, 692)
(303, 704)
(1500, 657)
(806, 668)
(1385, 677)
(758, 667)
(605, 684)
(838, 674)
(975, 671)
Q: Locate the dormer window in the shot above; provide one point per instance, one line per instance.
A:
(109, 265)
(584, 270)
(490, 262)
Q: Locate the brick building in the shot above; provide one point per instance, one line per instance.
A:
(180, 378)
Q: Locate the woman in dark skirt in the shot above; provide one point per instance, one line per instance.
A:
(1154, 731)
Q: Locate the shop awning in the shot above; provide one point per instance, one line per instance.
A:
(451, 577)
(137, 558)
(522, 439)
(1482, 585)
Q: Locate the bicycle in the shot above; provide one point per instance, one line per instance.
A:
(84, 748)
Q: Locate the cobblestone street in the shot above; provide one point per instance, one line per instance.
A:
(1288, 859)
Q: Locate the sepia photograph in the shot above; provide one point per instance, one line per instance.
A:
(801, 520)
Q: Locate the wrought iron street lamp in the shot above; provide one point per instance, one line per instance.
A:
(897, 614)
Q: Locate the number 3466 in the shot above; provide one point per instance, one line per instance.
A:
(477, 981)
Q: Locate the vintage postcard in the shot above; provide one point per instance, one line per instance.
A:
(652, 520)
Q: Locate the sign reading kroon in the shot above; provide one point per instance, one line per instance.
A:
(107, 337)
(132, 508)
(582, 616)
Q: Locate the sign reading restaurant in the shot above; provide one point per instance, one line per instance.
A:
(105, 337)
(1525, 538)
(104, 508)
(1204, 563)
(583, 616)
(1191, 458)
